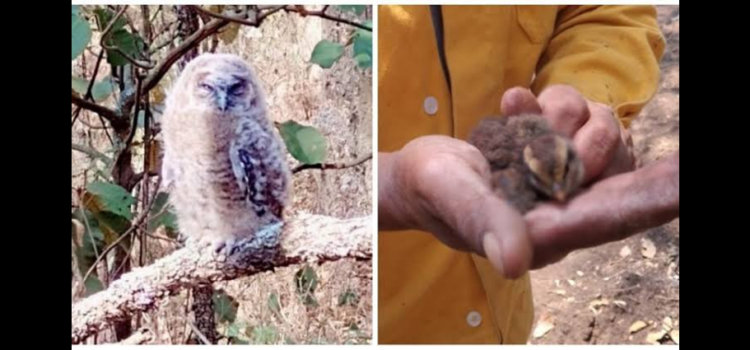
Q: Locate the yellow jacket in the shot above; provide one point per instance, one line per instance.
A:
(427, 292)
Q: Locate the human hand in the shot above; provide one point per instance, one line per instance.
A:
(610, 210)
(604, 147)
(620, 202)
(441, 185)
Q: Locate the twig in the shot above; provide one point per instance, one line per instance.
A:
(162, 45)
(91, 126)
(146, 24)
(134, 125)
(111, 24)
(91, 152)
(166, 239)
(105, 112)
(241, 17)
(200, 335)
(324, 15)
(304, 238)
(193, 40)
(87, 96)
(146, 166)
(158, 10)
(105, 35)
(332, 166)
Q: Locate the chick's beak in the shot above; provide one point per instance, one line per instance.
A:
(558, 192)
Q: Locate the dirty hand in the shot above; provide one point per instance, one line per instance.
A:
(619, 202)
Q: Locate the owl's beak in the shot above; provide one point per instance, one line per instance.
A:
(221, 100)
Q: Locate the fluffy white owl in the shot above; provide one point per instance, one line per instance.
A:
(223, 161)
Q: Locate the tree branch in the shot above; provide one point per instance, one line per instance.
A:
(322, 14)
(87, 96)
(92, 152)
(332, 166)
(241, 17)
(190, 42)
(305, 238)
(105, 112)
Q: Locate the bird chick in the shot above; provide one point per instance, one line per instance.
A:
(223, 161)
(529, 162)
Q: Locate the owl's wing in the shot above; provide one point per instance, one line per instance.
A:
(260, 175)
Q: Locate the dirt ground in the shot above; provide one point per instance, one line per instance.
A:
(625, 292)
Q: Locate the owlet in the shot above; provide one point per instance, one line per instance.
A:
(223, 161)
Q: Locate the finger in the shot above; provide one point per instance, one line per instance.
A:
(565, 109)
(611, 210)
(487, 224)
(597, 141)
(519, 100)
(624, 158)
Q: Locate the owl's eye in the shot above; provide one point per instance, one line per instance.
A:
(237, 89)
(206, 87)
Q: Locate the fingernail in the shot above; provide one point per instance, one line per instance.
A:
(491, 245)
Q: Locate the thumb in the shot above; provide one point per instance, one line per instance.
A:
(487, 224)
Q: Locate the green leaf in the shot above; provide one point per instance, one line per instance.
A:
(92, 241)
(141, 122)
(357, 9)
(111, 198)
(306, 282)
(305, 143)
(363, 60)
(112, 226)
(93, 285)
(104, 16)
(326, 53)
(80, 34)
(363, 48)
(100, 91)
(348, 298)
(265, 335)
(79, 85)
(160, 216)
(130, 44)
(225, 306)
(273, 303)
(234, 330)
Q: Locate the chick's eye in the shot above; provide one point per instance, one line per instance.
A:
(236, 89)
(206, 87)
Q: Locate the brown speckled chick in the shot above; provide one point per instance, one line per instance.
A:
(528, 160)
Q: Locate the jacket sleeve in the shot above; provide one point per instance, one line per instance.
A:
(611, 54)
